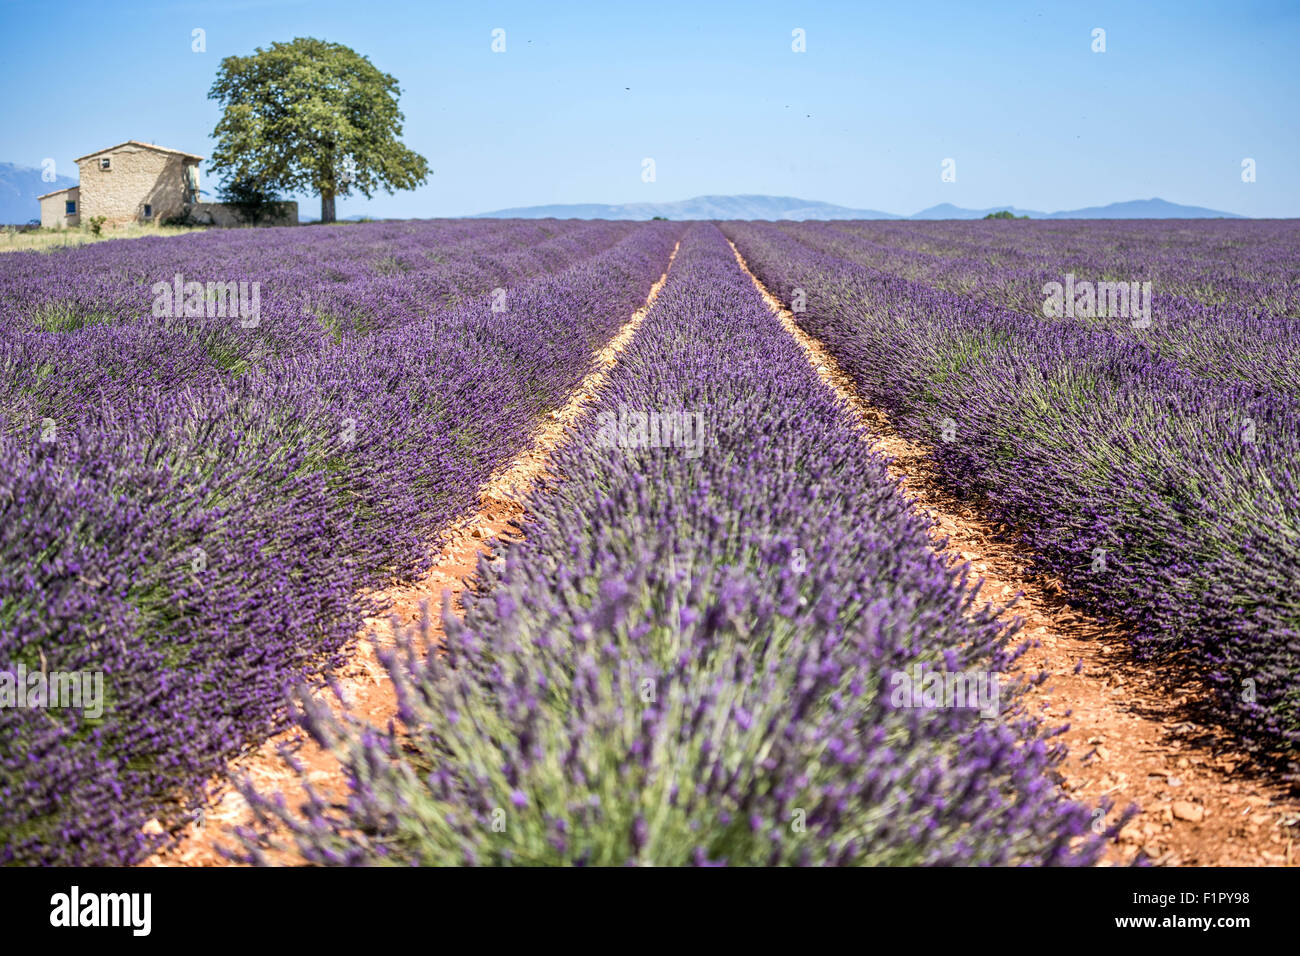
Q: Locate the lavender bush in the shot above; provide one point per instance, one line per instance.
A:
(1158, 475)
(690, 656)
(1225, 294)
(194, 507)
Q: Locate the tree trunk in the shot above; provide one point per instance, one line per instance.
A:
(327, 205)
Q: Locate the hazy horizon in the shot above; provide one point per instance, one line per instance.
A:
(1042, 213)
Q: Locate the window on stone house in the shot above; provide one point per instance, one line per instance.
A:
(106, 163)
(70, 207)
(148, 211)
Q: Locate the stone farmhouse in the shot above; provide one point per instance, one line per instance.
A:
(142, 182)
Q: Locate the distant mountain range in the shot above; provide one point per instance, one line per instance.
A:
(701, 207)
(19, 187)
(1144, 209)
(788, 207)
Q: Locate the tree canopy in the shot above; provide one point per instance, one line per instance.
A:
(309, 115)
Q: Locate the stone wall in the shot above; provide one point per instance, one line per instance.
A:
(138, 176)
(54, 209)
(229, 214)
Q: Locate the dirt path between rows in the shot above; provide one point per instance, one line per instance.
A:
(364, 683)
(1132, 735)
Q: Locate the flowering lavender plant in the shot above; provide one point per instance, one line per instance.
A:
(195, 506)
(1154, 469)
(694, 658)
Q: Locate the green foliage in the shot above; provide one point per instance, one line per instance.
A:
(97, 224)
(309, 115)
(1004, 214)
(254, 200)
(66, 317)
(248, 192)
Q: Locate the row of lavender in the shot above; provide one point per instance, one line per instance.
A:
(326, 284)
(1246, 264)
(1224, 298)
(193, 505)
(722, 639)
(1163, 496)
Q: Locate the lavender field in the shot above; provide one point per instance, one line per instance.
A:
(1152, 461)
(720, 631)
(197, 508)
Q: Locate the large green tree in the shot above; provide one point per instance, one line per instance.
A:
(310, 115)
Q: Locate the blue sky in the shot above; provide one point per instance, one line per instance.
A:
(713, 92)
